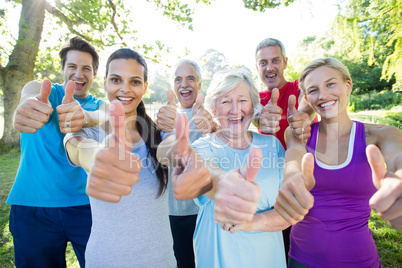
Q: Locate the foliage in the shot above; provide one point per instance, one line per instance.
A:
(365, 37)
(375, 101)
(381, 117)
(262, 5)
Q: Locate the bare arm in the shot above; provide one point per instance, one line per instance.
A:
(268, 221)
(82, 152)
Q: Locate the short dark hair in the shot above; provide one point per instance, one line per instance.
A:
(77, 43)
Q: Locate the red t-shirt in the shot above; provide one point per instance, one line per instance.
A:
(290, 88)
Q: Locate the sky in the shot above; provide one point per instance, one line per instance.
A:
(228, 27)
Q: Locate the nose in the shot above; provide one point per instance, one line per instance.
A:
(270, 66)
(79, 73)
(234, 109)
(184, 83)
(324, 93)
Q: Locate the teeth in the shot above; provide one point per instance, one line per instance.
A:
(78, 82)
(270, 75)
(235, 119)
(124, 98)
(327, 104)
(185, 91)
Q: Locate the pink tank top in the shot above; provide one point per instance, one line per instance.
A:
(335, 232)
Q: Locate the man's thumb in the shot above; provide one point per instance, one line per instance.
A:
(291, 105)
(170, 96)
(377, 164)
(45, 90)
(308, 170)
(69, 92)
(249, 172)
(198, 103)
(274, 97)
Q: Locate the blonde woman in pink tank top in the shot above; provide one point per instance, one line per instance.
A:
(333, 180)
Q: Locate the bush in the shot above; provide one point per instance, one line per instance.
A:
(383, 100)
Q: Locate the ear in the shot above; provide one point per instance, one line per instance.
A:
(285, 63)
(95, 74)
(349, 86)
(104, 83)
(145, 87)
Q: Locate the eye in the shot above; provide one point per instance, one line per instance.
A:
(114, 80)
(330, 84)
(311, 91)
(177, 80)
(262, 63)
(136, 82)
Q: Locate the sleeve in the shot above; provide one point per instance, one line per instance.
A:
(281, 160)
(205, 149)
(94, 133)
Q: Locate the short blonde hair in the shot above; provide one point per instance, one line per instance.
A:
(329, 62)
(224, 81)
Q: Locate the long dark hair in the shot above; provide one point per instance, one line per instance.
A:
(148, 130)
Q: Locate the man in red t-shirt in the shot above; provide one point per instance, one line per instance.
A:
(280, 109)
(275, 117)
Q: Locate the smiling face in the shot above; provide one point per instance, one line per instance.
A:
(327, 92)
(125, 82)
(186, 85)
(78, 68)
(270, 66)
(234, 111)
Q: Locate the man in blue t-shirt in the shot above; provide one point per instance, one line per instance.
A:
(49, 205)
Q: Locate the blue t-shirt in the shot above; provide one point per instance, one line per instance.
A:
(215, 247)
(45, 178)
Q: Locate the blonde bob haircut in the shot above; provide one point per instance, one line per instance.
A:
(329, 62)
(225, 81)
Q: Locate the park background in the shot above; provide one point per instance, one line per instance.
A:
(218, 34)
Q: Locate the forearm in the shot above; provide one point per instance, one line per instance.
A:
(164, 154)
(269, 221)
(82, 152)
(98, 117)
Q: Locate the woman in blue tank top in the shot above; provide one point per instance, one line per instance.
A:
(327, 193)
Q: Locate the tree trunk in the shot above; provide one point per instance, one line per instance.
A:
(21, 64)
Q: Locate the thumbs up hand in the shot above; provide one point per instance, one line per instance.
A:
(115, 169)
(294, 199)
(271, 114)
(166, 118)
(387, 201)
(70, 113)
(237, 195)
(201, 117)
(33, 113)
(190, 178)
(298, 120)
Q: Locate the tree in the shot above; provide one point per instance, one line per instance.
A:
(102, 22)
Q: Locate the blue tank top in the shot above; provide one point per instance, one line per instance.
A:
(335, 232)
(45, 178)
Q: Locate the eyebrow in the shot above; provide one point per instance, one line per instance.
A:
(132, 77)
(326, 81)
(190, 76)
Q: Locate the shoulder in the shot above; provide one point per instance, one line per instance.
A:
(267, 141)
(375, 134)
(293, 87)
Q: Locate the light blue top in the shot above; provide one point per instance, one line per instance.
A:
(45, 178)
(215, 247)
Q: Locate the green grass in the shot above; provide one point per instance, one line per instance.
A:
(391, 117)
(388, 240)
(9, 164)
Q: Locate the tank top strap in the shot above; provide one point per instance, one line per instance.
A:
(312, 141)
(360, 138)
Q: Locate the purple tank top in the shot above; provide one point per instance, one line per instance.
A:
(335, 232)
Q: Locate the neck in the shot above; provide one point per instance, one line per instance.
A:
(336, 127)
(239, 142)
